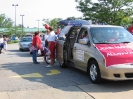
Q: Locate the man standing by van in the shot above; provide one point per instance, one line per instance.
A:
(1, 43)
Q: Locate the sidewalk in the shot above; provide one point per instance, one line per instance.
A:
(91, 91)
(50, 93)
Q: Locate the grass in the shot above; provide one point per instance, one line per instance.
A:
(12, 42)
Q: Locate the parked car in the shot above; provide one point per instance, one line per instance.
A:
(24, 43)
(108, 58)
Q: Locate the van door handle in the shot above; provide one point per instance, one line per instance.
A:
(75, 48)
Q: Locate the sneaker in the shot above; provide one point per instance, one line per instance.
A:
(49, 66)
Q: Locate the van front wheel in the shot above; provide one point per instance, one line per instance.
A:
(94, 72)
(63, 65)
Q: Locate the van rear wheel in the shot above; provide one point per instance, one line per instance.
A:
(47, 59)
(94, 72)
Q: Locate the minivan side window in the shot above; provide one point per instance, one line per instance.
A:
(63, 32)
(83, 34)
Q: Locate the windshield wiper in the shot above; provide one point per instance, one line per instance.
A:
(103, 43)
(125, 42)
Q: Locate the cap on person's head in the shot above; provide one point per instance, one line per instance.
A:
(46, 26)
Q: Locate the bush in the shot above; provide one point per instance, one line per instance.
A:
(15, 41)
(12, 42)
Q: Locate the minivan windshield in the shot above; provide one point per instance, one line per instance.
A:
(101, 35)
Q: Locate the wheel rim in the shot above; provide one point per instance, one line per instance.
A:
(93, 72)
(48, 59)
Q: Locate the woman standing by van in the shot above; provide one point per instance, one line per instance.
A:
(51, 46)
(36, 45)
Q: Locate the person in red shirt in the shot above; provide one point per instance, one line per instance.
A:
(36, 44)
(130, 29)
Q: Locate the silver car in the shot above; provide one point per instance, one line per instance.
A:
(24, 43)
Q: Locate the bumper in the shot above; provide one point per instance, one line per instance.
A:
(118, 72)
(24, 48)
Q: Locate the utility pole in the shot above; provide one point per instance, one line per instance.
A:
(22, 23)
(15, 16)
(38, 24)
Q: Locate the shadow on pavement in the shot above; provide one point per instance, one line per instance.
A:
(19, 53)
(67, 77)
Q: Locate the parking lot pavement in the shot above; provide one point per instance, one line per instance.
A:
(21, 79)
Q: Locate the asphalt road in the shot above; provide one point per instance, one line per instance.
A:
(18, 73)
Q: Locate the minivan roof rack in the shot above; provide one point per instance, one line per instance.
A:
(74, 22)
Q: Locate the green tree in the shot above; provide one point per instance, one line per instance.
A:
(5, 22)
(110, 11)
(43, 31)
(9, 29)
(19, 32)
(74, 17)
(9, 32)
(52, 22)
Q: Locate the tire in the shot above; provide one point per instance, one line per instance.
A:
(47, 59)
(63, 65)
(94, 72)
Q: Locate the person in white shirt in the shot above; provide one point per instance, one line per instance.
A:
(51, 45)
(5, 44)
(86, 36)
(1, 39)
(1, 43)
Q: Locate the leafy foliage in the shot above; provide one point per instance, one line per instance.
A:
(110, 11)
(74, 17)
(52, 22)
(7, 24)
(12, 42)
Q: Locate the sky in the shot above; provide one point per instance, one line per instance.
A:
(34, 10)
